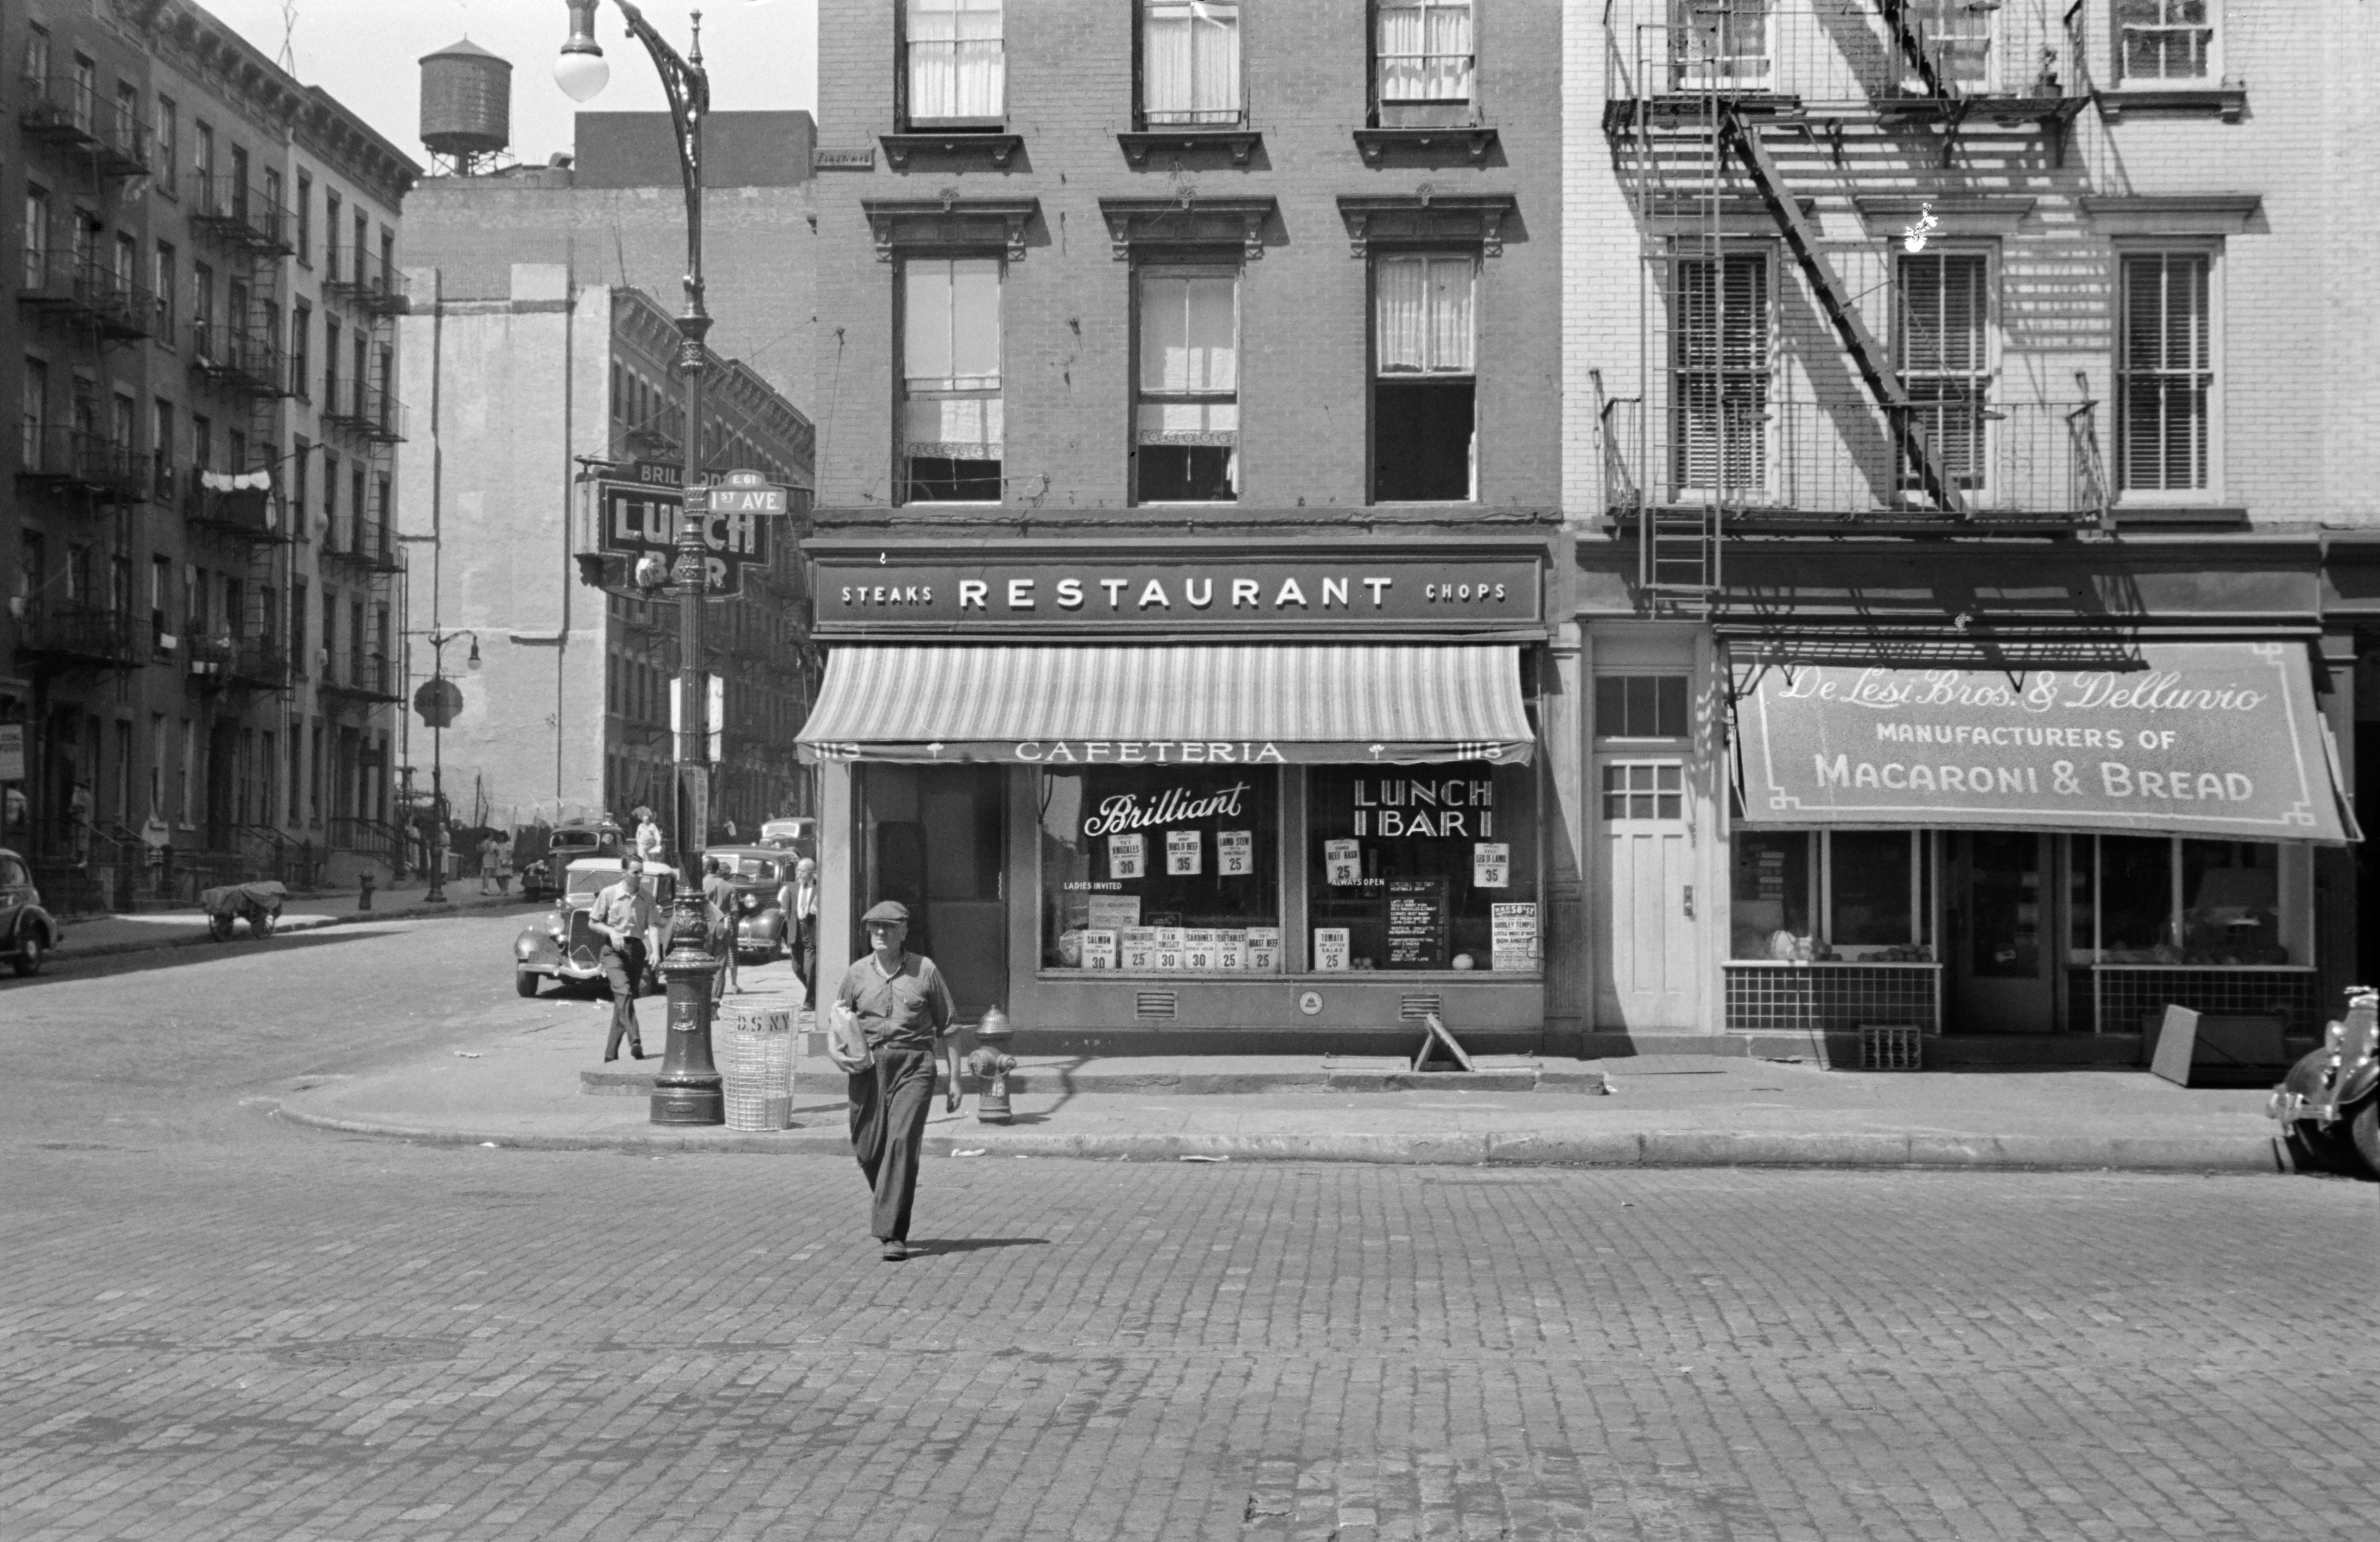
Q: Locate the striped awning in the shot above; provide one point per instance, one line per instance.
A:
(1386, 703)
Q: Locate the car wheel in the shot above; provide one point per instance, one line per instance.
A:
(525, 982)
(29, 953)
(2364, 1130)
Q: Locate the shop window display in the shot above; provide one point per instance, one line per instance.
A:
(1160, 869)
(1852, 895)
(1423, 868)
(2160, 900)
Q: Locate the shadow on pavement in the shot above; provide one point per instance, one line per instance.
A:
(70, 969)
(972, 1244)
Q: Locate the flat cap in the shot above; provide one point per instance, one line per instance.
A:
(886, 909)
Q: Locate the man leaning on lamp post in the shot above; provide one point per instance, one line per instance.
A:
(903, 1010)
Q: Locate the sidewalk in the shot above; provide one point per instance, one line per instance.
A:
(148, 930)
(545, 1088)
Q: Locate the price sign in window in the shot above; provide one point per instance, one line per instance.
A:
(1125, 855)
(1439, 848)
(1491, 865)
(1182, 850)
(1125, 850)
(1342, 862)
(1235, 853)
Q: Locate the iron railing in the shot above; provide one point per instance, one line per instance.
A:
(239, 216)
(85, 292)
(239, 360)
(246, 513)
(77, 631)
(67, 112)
(80, 460)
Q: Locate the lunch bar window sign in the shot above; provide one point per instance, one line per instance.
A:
(1423, 868)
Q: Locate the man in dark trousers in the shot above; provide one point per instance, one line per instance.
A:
(621, 916)
(799, 899)
(904, 1008)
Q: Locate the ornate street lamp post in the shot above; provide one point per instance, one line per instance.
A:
(687, 1091)
(437, 858)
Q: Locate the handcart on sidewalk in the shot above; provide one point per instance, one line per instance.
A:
(258, 904)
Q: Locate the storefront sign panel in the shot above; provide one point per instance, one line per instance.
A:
(1167, 751)
(878, 596)
(2207, 739)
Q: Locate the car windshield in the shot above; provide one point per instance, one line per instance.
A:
(587, 882)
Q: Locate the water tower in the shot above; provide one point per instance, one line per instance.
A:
(467, 107)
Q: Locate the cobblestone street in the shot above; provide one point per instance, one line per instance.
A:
(214, 1325)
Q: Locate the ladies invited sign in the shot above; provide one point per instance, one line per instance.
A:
(2216, 738)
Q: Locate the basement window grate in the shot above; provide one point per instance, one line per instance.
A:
(1153, 1004)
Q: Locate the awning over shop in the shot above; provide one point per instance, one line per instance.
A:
(2197, 739)
(1395, 704)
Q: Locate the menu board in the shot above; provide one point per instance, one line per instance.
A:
(1125, 855)
(1099, 949)
(1263, 954)
(1182, 853)
(1417, 923)
(1235, 853)
(1512, 930)
(1139, 947)
(1331, 949)
(1491, 865)
(1343, 861)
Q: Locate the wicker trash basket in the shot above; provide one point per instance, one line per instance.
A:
(758, 1071)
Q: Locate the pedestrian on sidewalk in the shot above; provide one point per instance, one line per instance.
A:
(504, 864)
(718, 904)
(621, 916)
(487, 863)
(649, 835)
(903, 1009)
(798, 901)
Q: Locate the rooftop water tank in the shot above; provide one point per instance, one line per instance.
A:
(466, 101)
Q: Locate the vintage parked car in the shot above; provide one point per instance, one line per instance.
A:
(757, 872)
(2330, 1100)
(797, 835)
(564, 946)
(28, 933)
(570, 841)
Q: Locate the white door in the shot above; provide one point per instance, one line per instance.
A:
(1648, 949)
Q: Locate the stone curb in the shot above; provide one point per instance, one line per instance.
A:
(2260, 1154)
(304, 922)
(640, 1083)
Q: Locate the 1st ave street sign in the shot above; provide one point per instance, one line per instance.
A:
(747, 492)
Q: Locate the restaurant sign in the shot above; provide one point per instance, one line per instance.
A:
(874, 594)
(2198, 738)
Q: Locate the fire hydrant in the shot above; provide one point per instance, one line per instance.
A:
(990, 1066)
(364, 896)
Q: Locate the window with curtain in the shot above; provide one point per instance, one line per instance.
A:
(1187, 422)
(1721, 45)
(1719, 374)
(950, 420)
(35, 268)
(1422, 55)
(2165, 40)
(1944, 356)
(2165, 373)
(1424, 385)
(1190, 62)
(957, 72)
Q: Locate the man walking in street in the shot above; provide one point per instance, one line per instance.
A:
(718, 904)
(621, 916)
(798, 899)
(649, 835)
(903, 1009)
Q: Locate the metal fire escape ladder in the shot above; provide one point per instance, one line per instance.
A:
(1867, 355)
(1903, 27)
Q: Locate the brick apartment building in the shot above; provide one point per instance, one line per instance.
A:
(1189, 523)
(194, 658)
(1960, 413)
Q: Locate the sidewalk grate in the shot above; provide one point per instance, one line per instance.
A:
(1890, 1047)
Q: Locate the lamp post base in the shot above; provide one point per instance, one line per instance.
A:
(688, 1089)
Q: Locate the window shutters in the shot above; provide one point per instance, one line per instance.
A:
(1719, 344)
(2166, 372)
(1946, 358)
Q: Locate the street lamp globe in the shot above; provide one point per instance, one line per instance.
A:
(581, 71)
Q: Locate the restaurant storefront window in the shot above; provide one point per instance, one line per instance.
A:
(1423, 867)
(1164, 868)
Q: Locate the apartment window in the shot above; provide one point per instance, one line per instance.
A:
(951, 419)
(35, 395)
(1943, 344)
(619, 403)
(356, 510)
(356, 381)
(1719, 374)
(305, 224)
(1721, 45)
(957, 73)
(202, 307)
(1187, 422)
(169, 144)
(202, 163)
(2165, 40)
(1424, 388)
(272, 193)
(126, 272)
(356, 254)
(355, 642)
(202, 441)
(1422, 61)
(122, 433)
(330, 237)
(2165, 373)
(299, 622)
(161, 600)
(329, 366)
(37, 236)
(182, 773)
(86, 92)
(238, 189)
(37, 52)
(128, 118)
(300, 483)
(1190, 62)
(156, 765)
(301, 338)
(387, 276)
(331, 500)
(165, 279)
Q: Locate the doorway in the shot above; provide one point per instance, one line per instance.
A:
(935, 840)
(1648, 952)
(2000, 934)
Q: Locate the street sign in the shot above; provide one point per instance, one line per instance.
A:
(438, 701)
(747, 492)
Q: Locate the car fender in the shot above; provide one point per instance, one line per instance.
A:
(2356, 1083)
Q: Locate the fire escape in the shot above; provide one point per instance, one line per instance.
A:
(361, 409)
(1727, 120)
(83, 293)
(237, 361)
